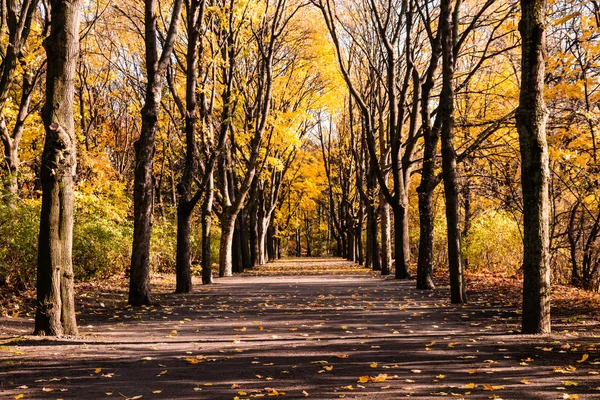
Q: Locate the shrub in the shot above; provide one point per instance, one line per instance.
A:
(494, 242)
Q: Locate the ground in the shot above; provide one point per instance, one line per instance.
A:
(315, 328)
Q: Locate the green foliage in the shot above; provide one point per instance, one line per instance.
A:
(494, 243)
(19, 226)
(163, 244)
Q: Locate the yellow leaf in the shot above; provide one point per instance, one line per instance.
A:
(328, 367)
(584, 358)
(157, 391)
(379, 378)
(97, 370)
(571, 383)
(342, 356)
(19, 396)
(305, 393)
(472, 371)
(525, 382)
(45, 389)
(416, 371)
(469, 386)
(492, 387)
(162, 372)
(373, 365)
(364, 379)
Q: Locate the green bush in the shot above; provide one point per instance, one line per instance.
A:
(494, 242)
(19, 228)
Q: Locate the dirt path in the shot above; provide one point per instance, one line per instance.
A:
(297, 336)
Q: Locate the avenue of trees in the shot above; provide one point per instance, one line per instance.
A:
(209, 137)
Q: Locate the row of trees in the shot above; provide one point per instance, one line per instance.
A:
(306, 138)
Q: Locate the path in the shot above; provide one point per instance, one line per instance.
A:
(309, 336)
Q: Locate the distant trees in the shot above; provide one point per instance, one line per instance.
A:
(230, 133)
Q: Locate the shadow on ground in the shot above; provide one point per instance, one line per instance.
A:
(296, 336)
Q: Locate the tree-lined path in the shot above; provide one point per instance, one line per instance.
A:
(316, 328)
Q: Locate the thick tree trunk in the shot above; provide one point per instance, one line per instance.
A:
(373, 238)
(531, 124)
(183, 271)
(426, 222)
(237, 262)
(457, 289)
(262, 240)
(55, 308)
(401, 242)
(386, 236)
(226, 244)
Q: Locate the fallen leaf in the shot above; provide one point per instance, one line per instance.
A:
(373, 365)
(492, 387)
(583, 358)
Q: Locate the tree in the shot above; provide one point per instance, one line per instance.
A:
(531, 124)
(156, 67)
(55, 311)
(446, 110)
(19, 19)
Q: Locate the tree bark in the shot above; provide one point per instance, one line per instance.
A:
(386, 236)
(55, 308)
(457, 288)
(187, 199)
(183, 272)
(139, 276)
(531, 125)
(206, 235)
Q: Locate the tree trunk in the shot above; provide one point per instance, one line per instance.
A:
(187, 199)
(457, 289)
(206, 235)
(237, 262)
(226, 244)
(254, 236)
(426, 239)
(359, 236)
(270, 244)
(468, 217)
(386, 236)
(298, 243)
(55, 311)
(401, 242)
(139, 276)
(245, 250)
(531, 125)
(183, 271)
